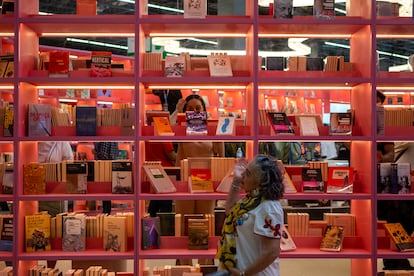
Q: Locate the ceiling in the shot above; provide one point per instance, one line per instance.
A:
(392, 48)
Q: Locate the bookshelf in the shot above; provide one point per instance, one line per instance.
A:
(361, 27)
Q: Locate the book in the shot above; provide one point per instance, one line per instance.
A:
(400, 178)
(219, 65)
(39, 120)
(34, 179)
(198, 233)
(7, 7)
(37, 232)
(332, 238)
(74, 232)
(380, 113)
(151, 230)
(167, 223)
(384, 178)
(196, 122)
(6, 232)
(58, 63)
(226, 126)
(8, 178)
(200, 180)
(101, 64)
(340, 179)
(280, 123)
(219, 218)
(115, 233)
(195, 8)
(276, 63)
(174, 66)
(346, 220)
(314, 64)
(9, 73)
(283, 9)
(286, 241)
(76, 177)
(122, 177)
(8, 124)
(312, 180)
(324, 8)
(162, 126)
(86, 118)
(3, 67)
(399, 236)
(340, 123)
(290, 187)
(308, 125)
(160, 181)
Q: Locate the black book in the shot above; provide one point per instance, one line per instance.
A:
(167, 223)
(276, 63)
(86, 121)
(314, 64)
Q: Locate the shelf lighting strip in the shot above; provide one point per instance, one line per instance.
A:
(398, 88)
(48, 34)
(6, 86)
(85, 87)
(305, 87)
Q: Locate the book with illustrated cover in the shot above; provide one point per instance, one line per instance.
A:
(122, 177)
(58, 63)
(286, 241)
(115, 233)
(167, 223)
(332, 238)
(37, 232)
(276, 63)
(283, 9)
(340, 180)
(324, 8)
(308, 125)
(8, 124)
(74, 232)
(6, 232)
(160, 181)
(162, 126)
(340, 123)
(384, 178)
(34, 179)
(174, 66)
(195, 8)
(3, 67)
(86, 118)
(219, 65)
(9, 73)
(151, 232)
(198, 233)
(76, 177)
(200, 180)
(196, 122)
(8, 178)
(39, 120)
(280, 123)
(101, 64)
(400, 178)
(399, 236)
(312, 180)
(226, 126)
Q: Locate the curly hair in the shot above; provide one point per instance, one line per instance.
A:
(271, 178)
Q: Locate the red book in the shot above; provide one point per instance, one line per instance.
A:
(101, 64)
(58, 62)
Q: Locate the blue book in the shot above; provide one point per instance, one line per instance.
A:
(86, 121)
(6, 234)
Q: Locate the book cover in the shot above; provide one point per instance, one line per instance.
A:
(7, 7)
(384, 178)
(74, 235)
(174, 66)
(380, 113)
(198, 233)
(312, 180)
(9, 73)
(200, 180)
(86, 120)
(314, 64)
(332, 238)
(162, 126)
(39, 120)
(3, 67)
(101, 64)
(167, 223)
(219, 65)
(122, 177)
(226, 126)
(340, 123)
(324, 8)
(8, 178)
(308, 125)
(37, 232)
(6, 234)
(399, 236)
(196, 122)
(34, 179)
(219, 218)
(290, 187)
(8, 124)
(286, 241)
(115, 233)
(400, 178)
(58, 63)
(346, 220)
(76, 177)
(283, 9)
(151, 230)
(280, 123)
(160, 181)
(340, 180)
(195, 8)
(276, 63)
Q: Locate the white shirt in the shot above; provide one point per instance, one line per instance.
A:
(249, 232)
(54, 151)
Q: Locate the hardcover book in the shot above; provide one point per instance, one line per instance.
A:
(332, 238)
(280, 123)
(312, 180)
(101, 64)
(6, 234)
(219, 65)
(160, 181)
(399, 236)
(196, 122)
(340, 123)
(37, 232)
(174, 66)
(115, 233)
(340, 180)
(74, 232)
(86, 120)
(198, 233)
(58, 63)
(151, 230)
(39, 120)
(195, 8)
(308, 125)
(162, 126)
(122, 177)
(76, 177)
(286, 241)
(34, 179)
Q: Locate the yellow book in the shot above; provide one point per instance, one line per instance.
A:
(37, 230)
(115, 233)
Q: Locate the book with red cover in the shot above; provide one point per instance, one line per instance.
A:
(101, 64)
(280, 123)
(58, 62)
(340, 180)
(200, 180)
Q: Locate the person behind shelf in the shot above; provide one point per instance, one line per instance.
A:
(250, 240)
(106, 151)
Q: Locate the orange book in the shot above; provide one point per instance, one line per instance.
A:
(399, 236)
(162, 126)
(34, 179)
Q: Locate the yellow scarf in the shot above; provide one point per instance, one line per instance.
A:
(226, 251)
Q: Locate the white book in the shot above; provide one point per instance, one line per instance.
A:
(226, 125)
(195, 8)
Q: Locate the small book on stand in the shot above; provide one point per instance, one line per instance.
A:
(312, 180)
(195, 8)
(151, 232)
(340, 123)
(226, 126)
(332, 238)
(76, 177)
(122, 177)
(198, 233)
(286, 241)
(280, 123)
(160, 181)
(174, 66)
(196, 122)
(39, 120)
(399, 237)
(219, 65)
(162, 126)
(101, 64)
(37, 232)
(340, 180)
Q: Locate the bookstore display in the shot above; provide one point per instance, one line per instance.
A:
(53, 96)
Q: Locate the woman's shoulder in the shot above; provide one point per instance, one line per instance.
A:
(270, 206)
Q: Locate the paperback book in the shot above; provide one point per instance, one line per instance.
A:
(37, 232)
(198, 233)
(195, 8)
(122, 177)
(6, 234)
(115, 233)
(8, 124)
(340, 123)
(399, 236)
(400, 178)
(86, 118)
(160, 181)
(76, 177)
(286, 241)
(280, 123)
(174, 66)
(283, 9)
(39, 120)
(196, 122)
(34, 179)
(340, 180)
(226, 126)
(167, 223)
(151, 232)
(384, 178)
(162, 126)
(219, 65)
(74, 232)
(58, 64)
(101, 64)
(332, 238)
(312, 180)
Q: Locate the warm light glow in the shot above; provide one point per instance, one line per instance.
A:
(345, 36)
(401, 36)
(68, 100)
(188, 34)
(393, 93)
(305, 87)
(398, 88)
(85, 87)
(6, 86)
(6, 34)
(88, 34)
(198, 86)
(103, 102)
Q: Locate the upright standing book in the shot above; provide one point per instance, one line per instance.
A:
(8, 124)
(286, 241)
(332, 238)
(226, 126)
(76, 177)
(196, 122)
(174, 66)
(160, 181)
(340, 123)
(312, 180)
(37, 232)
(58, 64)
(195, 8)
(283, 9)
(151, 233)
(34, 179)
(6, 232)
(122, 177)
(280, 123)
(115, 233)
(162, 126)
(340, 180)
(86, 118)
(219, 65)
(399, 236)
(101, 64)
(39, 120)
(198, 233)
(324, 8)
(74, 232)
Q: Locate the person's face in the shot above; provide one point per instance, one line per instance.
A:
(194, 105)
(250, 177)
